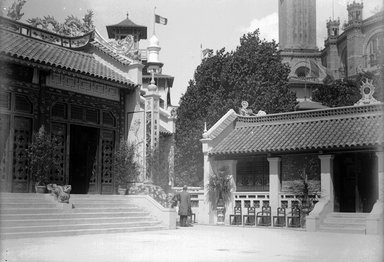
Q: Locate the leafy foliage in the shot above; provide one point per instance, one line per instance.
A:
(40, 154)
(125, 167)
(14, 12)
(158, 164)
(253, 72)
(341, 92)
(220, 187)
(346, 92)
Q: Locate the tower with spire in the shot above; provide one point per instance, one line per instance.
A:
(333, 63)
(297, 42)
(150, 121)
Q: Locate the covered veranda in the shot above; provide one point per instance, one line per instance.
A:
(339, 151)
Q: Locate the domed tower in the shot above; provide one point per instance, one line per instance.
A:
(153, 51)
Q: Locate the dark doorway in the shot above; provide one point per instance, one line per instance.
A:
(354, 182)
(83, 157)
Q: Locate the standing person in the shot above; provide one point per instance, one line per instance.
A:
(184, 205)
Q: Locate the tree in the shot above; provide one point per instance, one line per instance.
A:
(125, 167)
(346, 92)
(253, 72)
(340, 92)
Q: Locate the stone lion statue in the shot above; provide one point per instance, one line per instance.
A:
(61, 193)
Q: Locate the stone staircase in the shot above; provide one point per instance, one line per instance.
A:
(39, 215)
(345, 223)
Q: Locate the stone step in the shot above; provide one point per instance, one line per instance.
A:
(343, 224)
(348, 215)
(59, 210)
(30, 211)
(74, 232)
(100, 205)
(31, 215)
(81, 226)
(71, 220)
(27, 205)
(341, 229)
(77, 214)
(345, 220)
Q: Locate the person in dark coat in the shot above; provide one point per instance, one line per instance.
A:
(184, 200)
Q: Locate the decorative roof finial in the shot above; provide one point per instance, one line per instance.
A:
(366, 90)
(127, 14)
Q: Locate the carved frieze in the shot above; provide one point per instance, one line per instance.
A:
(82, 86)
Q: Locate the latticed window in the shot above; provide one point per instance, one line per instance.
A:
(252, 175)
(22, 104)
(59, 110)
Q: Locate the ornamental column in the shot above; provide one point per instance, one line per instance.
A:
(274, 183)
(206, 213)
(152, 117)
(327, 191)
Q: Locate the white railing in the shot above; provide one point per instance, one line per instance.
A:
(247, 199)
(289, 200)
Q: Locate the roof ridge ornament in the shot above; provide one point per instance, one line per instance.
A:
(244, 111)
(367, 89)
(125, 47)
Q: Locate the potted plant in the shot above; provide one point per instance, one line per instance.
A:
(303, 189)
(41, 161)
(220, 187)
(125, 168)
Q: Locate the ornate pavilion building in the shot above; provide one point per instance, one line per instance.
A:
(339, 151)
(89, 92)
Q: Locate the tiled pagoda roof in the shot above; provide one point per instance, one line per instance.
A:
(15, 44)
(352, 127)
(129, 26)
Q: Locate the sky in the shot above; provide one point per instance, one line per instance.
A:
(191, 24)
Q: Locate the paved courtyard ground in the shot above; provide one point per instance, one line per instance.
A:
(199, 243)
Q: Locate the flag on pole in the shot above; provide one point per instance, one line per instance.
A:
(161, 20)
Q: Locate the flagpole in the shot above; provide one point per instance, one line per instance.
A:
(154, 20)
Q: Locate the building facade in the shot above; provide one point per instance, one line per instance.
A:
(348, 51)
(84, 90)
(337, 151)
